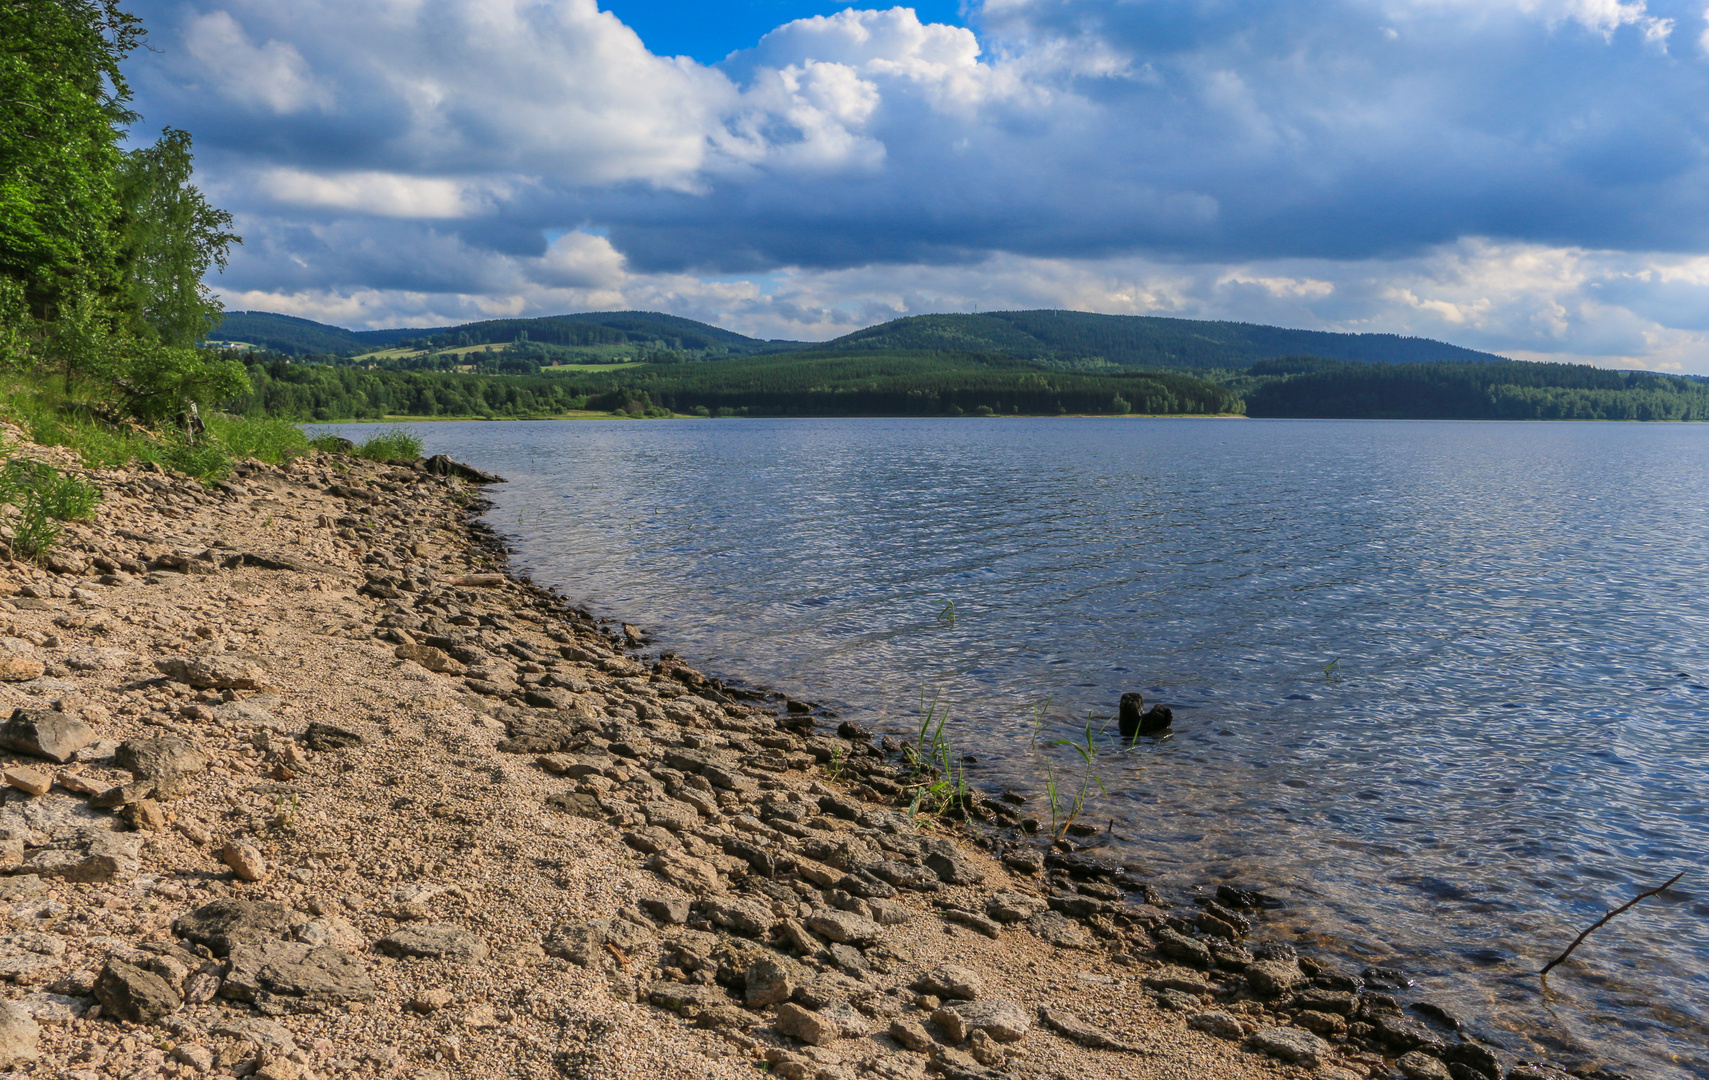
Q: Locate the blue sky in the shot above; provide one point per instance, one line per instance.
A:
(1529, 177)
(711, 31)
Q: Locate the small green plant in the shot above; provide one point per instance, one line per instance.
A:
(839, 760)
(285, 814)
(946, 612)
(44, 497)
(1074, 804)
(1041, 717)
(390, 444)
(1332, 671)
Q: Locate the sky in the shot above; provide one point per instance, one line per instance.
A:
(1527, 177)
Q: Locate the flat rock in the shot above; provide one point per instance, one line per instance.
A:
(45, 733)
(130, 993)
(951, 981)
(225, 924)
(85, 855)
(1060, 931)
(686, 872)
(212, 672)
(1291, 1045)
(15, 668)
(250, 714)
(434, 942)
(746, 917)
(280, 977)
(950, 863)
(1418, 1065)
(168, 762)
(321, 737)
(843, 927)
(1273, 978)
(1077, 1030)
(813, 1028)
(1009, 906)
(771, 980)
(1216, 1022)
(1177, 946)
(1002, 1020)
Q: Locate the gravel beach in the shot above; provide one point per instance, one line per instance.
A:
(300, 783)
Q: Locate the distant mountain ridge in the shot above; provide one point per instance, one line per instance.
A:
(1054, 338)
(1141, 341)
(296, 336)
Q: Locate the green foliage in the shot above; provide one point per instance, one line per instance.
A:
(157, 380)
(44, 497)
(389, 445)
(1078, 340)
(798, 384)
(63, 116)
(170, 237)
(1508, 390)
(257, 437)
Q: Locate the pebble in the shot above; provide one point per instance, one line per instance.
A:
(245, 861)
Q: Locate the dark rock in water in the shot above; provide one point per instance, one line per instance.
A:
(1250, 899)
(1386, 978)
(1134, 723)
(1437, 1013)
(440, 465)
(848, 729)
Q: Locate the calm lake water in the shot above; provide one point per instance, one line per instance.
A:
(1513, 737)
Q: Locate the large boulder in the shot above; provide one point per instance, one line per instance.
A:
(45, 733)
(225, 924)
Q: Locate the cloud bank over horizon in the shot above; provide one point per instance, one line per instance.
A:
(1526, 177)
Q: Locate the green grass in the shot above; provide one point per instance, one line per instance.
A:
(390, 444)
(44, 498)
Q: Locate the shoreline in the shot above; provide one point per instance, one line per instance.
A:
(486, 840)
(590, 415)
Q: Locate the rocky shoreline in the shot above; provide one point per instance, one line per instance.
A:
(301, 783)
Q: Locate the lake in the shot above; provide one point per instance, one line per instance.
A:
(1441, 687)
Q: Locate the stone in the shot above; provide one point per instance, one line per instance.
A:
(670, 910)
(1003, 1020)
(431, 1000)
(225, 924)
(428, 657)
(1291, 1045)
(686, 872)
(888, 912)
(688, 999)
(1418, 1065)
(29, 781)
(322, 737)
(19, 1034)
(1178, 946)
(951, 981)
(950, 863)
(815, 1029)
(45, 733)
(1273, 978)
(1472, 1059)
(911, 1034)
(986, 1050)
(85, 855)
(130, 993)
(1216, 1022)
(771, 980)
(434, 942)
(281, 977)
(746, 917)
(1054, 929)
(212, 672)
(167, 762)
(1076, 1030)
(1404, 1033)
(244, 860)
(1008, 906)
(672, 815)
(16, 668)
(145, 815)
(843, 927)
(197, 1057)
(1326, 1024)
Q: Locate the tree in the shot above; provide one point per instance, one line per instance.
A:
(63, 109)
(169, 238)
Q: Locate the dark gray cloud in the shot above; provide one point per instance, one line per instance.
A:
(432, 149)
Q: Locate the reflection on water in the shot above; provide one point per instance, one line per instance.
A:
(1443, 686)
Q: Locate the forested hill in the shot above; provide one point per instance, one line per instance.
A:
(297, 337)
(1080, 339)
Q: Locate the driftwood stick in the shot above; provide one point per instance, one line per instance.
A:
(1641, 896)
